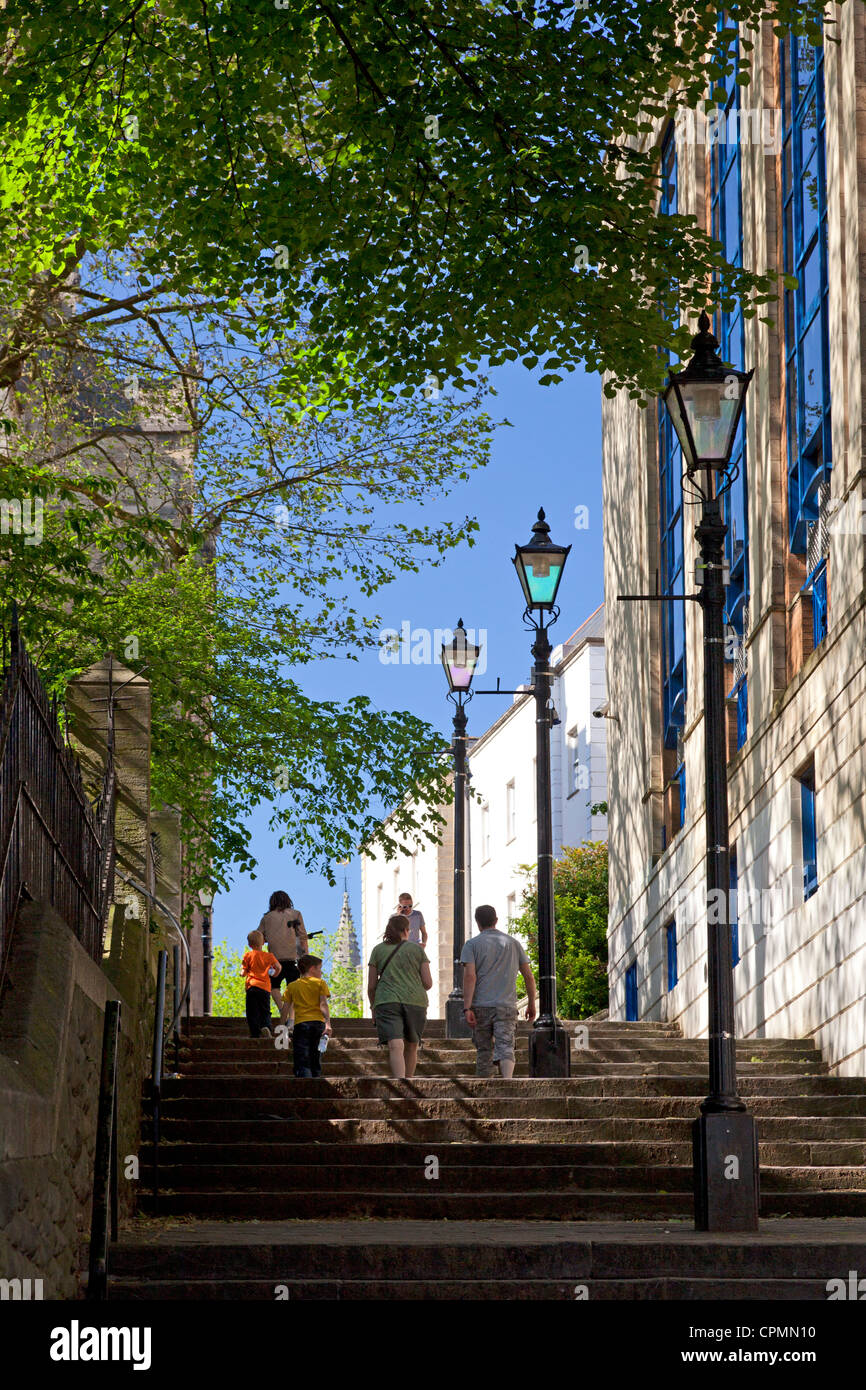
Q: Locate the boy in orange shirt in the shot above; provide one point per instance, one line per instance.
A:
(258, 968)
(307, 1000)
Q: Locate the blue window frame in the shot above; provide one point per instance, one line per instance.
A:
(740, 693)
(671, 937)
(671, 518)
(680, 776)
(631, 994)
(809, 831)
(726, 202)
(816, 585)
(807, 357)
(733, 910)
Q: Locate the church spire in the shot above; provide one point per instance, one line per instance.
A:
(346, 949)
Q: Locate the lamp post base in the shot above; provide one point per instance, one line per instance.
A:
(455, 1021)
(549, 1051)
(725, 1156)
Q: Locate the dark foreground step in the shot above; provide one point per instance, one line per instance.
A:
(256, 1150)
(529, 1289)
(287, 1251)
(203, 1177)
(540, 1204)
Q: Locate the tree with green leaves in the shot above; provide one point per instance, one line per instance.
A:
(580, 905)
(228, 996)
(425, 188)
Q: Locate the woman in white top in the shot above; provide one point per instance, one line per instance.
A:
(286, 936)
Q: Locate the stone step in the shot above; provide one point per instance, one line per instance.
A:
(437, 1025)
(581, 1065)
(310, 1250)
(278, 1150)
(467, 1177)
(259, 1076)
(526, 1131)
(233, 1101)
(664, 1049)
(473, 1290)
(502, 1204)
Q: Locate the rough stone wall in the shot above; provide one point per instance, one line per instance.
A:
(51, 1023)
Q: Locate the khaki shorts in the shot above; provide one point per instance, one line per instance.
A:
(404, 1021)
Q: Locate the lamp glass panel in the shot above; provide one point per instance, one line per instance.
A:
(543, 572)
(712, 409)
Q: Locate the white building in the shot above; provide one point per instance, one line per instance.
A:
(501, 811)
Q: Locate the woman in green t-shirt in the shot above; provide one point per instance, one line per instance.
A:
(397, 983)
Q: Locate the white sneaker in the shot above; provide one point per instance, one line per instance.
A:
(264, 1032)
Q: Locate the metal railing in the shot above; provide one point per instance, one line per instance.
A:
(104, 1212)
(54, 847)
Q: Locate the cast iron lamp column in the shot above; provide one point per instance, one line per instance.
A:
(705, 402)
(205, 897)
(539, 566)
(459, 659)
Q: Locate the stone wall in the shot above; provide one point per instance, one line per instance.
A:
(51, 1024)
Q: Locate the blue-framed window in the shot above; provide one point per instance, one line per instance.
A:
(726, 203)
(631, 1015)
(733, 910)
(740, 693)
(808, 830)
(671, 941)
(816, 585)
(807, 354)
(680, 776)
(671, 518)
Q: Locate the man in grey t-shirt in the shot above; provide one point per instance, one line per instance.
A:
(491, 962)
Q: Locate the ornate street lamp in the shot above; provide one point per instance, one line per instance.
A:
(705, 404)
(539, 566)
(205, 897)
(459, 658)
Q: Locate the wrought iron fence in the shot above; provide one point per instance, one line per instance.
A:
(54, 847)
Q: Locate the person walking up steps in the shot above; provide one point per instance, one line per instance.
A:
(491, 961)
(307, 1010)
(284, 931)
(397, 983)
(258, 967)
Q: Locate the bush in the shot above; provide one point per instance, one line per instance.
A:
(580, 906)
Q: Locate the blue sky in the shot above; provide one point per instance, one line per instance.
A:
(550, 457)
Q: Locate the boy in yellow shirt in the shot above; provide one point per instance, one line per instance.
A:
(308, 1015)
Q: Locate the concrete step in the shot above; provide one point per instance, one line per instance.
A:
(276, 1148)
(662, 1049)
(464, 1066)
(467, 1178)
(286, 1252)
(272, 1122)
(502, 1204)
(358, 1027)
(474, 1290)
(259, 1076)
(232, 1100)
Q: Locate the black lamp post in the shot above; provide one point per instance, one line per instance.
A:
(205, 897)
(705, 403)
(539, 566)
(459, 658)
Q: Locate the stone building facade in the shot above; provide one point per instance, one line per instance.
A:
(780, 184)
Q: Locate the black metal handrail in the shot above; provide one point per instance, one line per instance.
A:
(156, 1069)
(104, 1211)
(51, 838)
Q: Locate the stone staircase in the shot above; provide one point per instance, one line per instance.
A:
(243, 1140)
